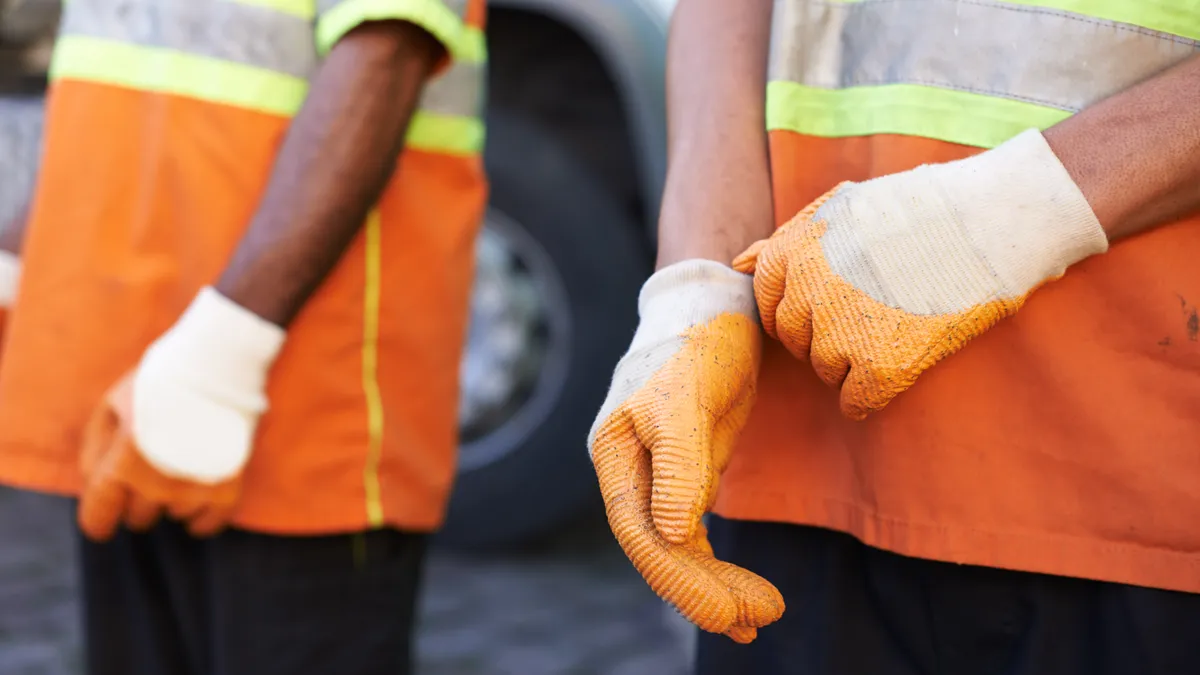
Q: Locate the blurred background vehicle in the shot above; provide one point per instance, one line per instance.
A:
(576, 155)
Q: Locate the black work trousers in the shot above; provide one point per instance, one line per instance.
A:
(164, 603)
(856, 610)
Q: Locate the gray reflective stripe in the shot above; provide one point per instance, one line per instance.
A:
(458, 91)
(459, 7)
(253, 35)
(1044, 56)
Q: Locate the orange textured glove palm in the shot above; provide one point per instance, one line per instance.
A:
(876, 282)
(680, 398)
(172, 437)
(122, 488)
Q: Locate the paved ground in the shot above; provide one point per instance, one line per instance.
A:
(575, 606)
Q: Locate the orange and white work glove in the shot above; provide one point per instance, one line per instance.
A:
(679, 399)
(875, 282)
(173, 436)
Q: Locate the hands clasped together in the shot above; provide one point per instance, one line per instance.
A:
(873, 284)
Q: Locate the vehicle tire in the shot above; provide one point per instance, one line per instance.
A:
(531, 473)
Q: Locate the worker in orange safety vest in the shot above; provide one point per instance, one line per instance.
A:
(923, 338)
(243, 290)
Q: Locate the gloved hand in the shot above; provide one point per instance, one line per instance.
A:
(877, 281)
(679, 399)
(173, 436)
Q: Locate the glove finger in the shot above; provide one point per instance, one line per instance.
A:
(98, 437)
(742, 635)
(101, 506)
(759, 603)
(209, 520)
(829, 361)
(188, 504)
(729, 429)
(747, 260)
(862, 393)
(141, 514)
(793, 319)
(770, 281)
(675, 573)
(682, 474)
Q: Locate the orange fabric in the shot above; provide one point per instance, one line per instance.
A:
(141, 199)
(122, 488)
(658, 463)
(1061, 441)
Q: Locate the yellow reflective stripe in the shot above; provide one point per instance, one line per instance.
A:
(233, 84)
(370, 370)
(162, 70)
(432, 15)
(303, 9)
(474, 46)
(943, 114)
(449, 134)
(1168, 16)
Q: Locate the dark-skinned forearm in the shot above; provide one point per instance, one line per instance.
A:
(334, 163)
(717, 197)
(1136, 155)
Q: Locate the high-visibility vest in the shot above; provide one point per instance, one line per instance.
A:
(1061, 441)
(163, 121)
(974, 72)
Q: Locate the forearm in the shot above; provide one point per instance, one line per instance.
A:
(1136, 155)
(717, 198)
(337, 157)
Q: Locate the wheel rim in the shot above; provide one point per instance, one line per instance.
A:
(518, 343)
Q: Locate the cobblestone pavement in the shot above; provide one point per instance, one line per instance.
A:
(572, 607)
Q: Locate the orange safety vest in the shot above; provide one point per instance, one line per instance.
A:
(162, 123)
(1064, 440)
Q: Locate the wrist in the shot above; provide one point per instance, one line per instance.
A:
(223, 346)
(689, 293)
(1025, 215)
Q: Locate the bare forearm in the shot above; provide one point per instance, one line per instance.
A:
(717, 198)
(333, 165)
(1136, 155)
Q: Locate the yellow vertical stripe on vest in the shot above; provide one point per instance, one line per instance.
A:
(915, 110)
(370, 369)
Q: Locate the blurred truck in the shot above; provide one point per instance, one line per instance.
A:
(576, 154)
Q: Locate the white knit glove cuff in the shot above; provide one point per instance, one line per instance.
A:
(1026, 215)
(943, 238)
(200, 389)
